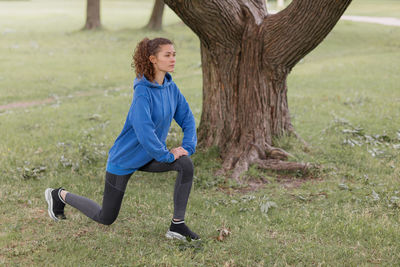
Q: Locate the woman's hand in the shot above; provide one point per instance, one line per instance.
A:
(178, 152)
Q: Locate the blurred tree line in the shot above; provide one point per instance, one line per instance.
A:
(93, 20)
(155, 23)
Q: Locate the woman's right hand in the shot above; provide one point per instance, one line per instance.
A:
(178, 152)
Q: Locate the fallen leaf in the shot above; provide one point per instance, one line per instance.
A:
(343, 186)
(375, 196)
(223, 233)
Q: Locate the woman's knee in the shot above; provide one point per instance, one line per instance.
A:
(108, 221)
(185, 163)
(186, 166)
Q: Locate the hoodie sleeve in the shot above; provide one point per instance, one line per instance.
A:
(185, 119)
(140, 117)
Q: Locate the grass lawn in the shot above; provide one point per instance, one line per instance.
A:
(344, 99)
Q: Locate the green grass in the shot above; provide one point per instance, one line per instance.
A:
(345, 215)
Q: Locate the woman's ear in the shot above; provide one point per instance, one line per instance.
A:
(153, 59)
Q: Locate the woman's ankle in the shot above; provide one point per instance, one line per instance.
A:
(63, 194)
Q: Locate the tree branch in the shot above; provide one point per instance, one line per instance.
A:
(259, 4)
(212, 21)
(295, 31)
(254, 9)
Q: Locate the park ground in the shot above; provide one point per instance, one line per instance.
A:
(344, 99)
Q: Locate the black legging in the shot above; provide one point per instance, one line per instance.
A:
(115, 186)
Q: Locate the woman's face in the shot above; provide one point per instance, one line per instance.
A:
(164, 60)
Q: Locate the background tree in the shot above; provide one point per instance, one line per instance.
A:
(155, 22)
(247, 55)
(92, 15)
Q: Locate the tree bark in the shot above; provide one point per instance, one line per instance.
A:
(92, 15)
(155, 22)
(247, 55)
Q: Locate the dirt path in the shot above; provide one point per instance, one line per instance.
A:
(51, 100)
(26, 104)
(377, 20)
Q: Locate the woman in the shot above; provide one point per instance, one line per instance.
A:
(141, 144)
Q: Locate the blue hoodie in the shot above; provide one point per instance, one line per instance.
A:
(147, 124)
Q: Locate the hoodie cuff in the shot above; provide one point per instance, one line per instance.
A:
(170, 157)
(189, 149)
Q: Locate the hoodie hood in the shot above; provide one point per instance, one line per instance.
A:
(144, 82)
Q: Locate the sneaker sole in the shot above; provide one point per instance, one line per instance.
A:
(178, 236)
(49, 200)
(174, 235)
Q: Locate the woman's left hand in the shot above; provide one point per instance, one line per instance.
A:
(179, 152)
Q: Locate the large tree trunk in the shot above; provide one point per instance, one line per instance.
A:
(247, 55)
(92, 15)
(155, 22)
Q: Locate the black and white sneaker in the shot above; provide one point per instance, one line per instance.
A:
(55, 203)
(179, 230)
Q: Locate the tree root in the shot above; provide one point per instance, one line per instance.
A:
(270, 159)
(279, 165)
(272, 152)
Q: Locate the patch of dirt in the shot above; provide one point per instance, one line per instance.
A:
(251, 185)
(254, 184)
(292, 182)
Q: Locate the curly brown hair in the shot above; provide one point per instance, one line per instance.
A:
(144, 49)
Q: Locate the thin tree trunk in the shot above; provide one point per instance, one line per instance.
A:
(92, 15)
(247, 55)
(155, 22)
